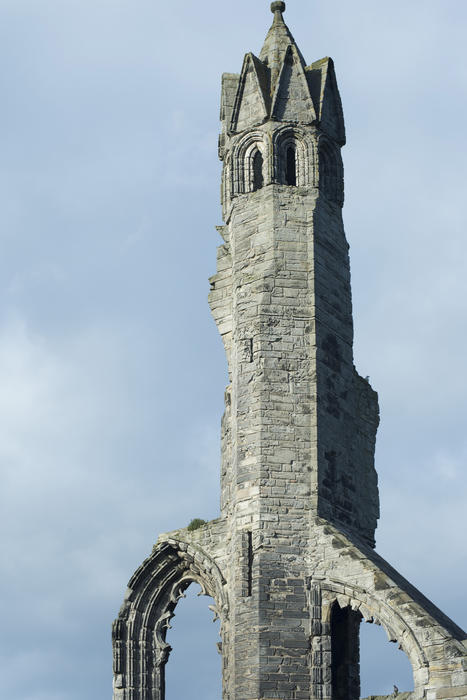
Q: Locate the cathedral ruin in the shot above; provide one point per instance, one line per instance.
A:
(290, 562)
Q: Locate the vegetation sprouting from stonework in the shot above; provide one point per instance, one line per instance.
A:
(195, 524)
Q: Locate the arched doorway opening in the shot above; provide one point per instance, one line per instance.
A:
(364, 664)
(194, 668)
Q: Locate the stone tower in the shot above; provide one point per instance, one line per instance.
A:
(290, 562)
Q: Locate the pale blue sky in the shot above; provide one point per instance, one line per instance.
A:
(111, 369)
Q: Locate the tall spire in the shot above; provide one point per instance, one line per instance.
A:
(279, 38)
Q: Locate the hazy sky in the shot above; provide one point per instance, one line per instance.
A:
(111, 369)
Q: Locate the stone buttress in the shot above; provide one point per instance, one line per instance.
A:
(290, 563)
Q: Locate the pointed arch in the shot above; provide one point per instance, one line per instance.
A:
(139, 633)
(194, 669)
(293, 157)
(375, 610)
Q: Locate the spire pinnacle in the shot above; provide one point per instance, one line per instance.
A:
(278, 7)
(277, 42)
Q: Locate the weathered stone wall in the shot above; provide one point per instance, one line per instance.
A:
(300, 425)
(293, 607)
(282, 301)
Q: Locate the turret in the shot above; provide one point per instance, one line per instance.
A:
(282, 298)
(270, 111)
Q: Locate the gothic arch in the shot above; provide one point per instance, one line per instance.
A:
(379, 612)
(291, 138)
(139, 632)
(243, 161)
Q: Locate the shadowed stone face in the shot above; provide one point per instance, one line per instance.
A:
(290, 562)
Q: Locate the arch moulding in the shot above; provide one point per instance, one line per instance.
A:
(375, 610)
(140, 650)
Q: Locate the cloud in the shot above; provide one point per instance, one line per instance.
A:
(112, 372)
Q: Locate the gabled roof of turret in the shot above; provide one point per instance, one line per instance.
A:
(252, 102)
(278, 40)
(280, 86)
(291, 100)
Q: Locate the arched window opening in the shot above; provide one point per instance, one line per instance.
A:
(293, 158)
(258, 179)
(383, 667)
(290, 166)
(248, 171)
(345, 675)
(194, 667)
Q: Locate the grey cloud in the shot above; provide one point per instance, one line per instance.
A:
(112, 372)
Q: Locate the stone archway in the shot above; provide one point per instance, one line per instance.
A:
(139, 633)
(377, 611)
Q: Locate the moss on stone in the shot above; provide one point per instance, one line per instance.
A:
(195, 524)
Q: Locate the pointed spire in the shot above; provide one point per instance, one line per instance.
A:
(277, 41)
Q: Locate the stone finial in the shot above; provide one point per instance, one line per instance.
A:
(278, 6)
